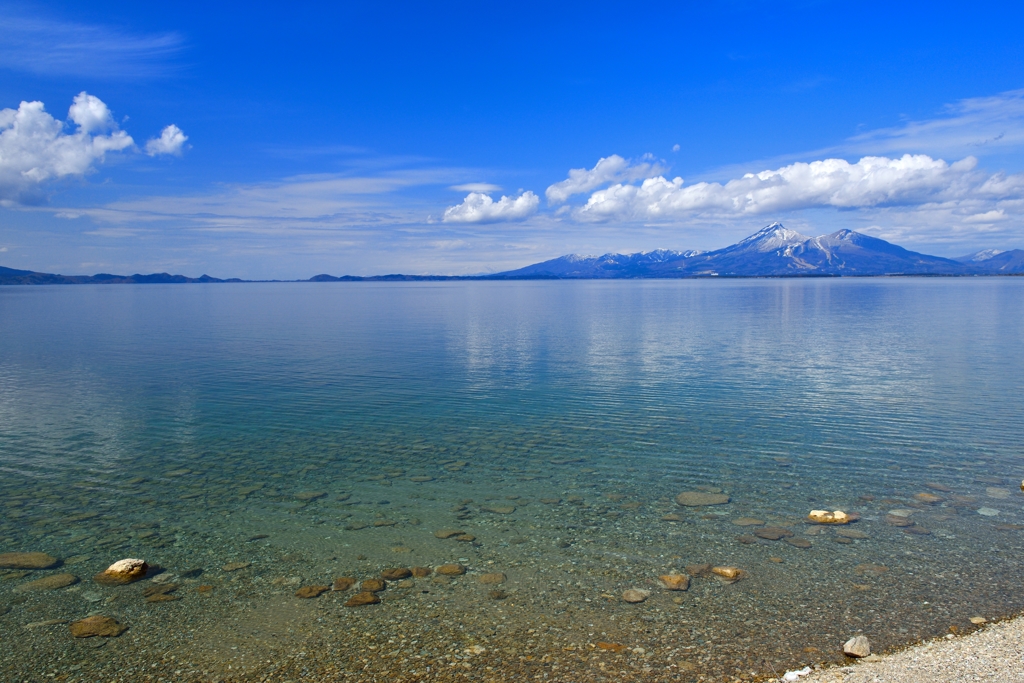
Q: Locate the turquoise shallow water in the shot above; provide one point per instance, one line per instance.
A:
(554, 422)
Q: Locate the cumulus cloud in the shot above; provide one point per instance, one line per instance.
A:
(480, 208)
(171, 141)
(35, 147)
(612, 169)
(836, 183)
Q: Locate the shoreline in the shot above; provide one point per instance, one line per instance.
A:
(995, 652)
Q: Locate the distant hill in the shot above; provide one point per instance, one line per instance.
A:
(773, 251)
(10, 276)
(996, 262)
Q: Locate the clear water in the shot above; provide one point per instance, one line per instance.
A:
(186, 424)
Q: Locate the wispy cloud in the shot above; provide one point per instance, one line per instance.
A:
(976, 126)
(54, 48)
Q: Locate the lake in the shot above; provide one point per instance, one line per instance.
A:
(251, 440)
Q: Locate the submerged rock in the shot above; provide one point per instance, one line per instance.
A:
(48, 583)
(728, 574)
(395, 574)
(675, 582)
(634, 595)
(448, 533)
(492, 578)
(701, 498)
(373, 585)
(364, 598)
(928, 498)
(773, 533)
(122, 572)
(101, 626)
(343, 583)
(421, 572)
(27, 561)
(307, 592)
(451, 570)
(858, 646)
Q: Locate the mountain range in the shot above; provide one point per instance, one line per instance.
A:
(773, 251)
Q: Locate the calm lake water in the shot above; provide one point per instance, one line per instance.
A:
(305, 432)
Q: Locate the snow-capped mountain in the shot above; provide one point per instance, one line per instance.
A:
(774, 251)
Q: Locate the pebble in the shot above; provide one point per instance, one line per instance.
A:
(451, 570)
(364, 598)
(465, 538)
(499, 509)
(307, 592)
(747, 539)
(27, 561)
(122, 572)
(421, 572)
(978, 621)
(988, 512)
(702, 570)
(635, 595)
(497, 594)
(48, 583)
(748, 521)
(396, 574)
(701, 498)
(935, 486)
(162, 597)
(492, 578)
(728, 574)
(858, 646)
(310, 495)
(797, 542)
(894, 520)
(851, 533)
(105, 627)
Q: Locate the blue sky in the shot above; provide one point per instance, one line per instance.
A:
(258, 140)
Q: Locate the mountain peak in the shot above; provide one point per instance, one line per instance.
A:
(772, 237)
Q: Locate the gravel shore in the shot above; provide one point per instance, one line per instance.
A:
(995, 653)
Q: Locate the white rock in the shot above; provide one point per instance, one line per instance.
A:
(858, 646)
(126, 566)
(794, 675)
(988, 512)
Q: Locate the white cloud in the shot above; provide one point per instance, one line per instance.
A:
(836, 183)
(171, 141)
(476, 187)
(612, 169)
(480, 208)
(35, 147)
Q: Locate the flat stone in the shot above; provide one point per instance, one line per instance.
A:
(364, 598)
(27, 561)
(978, 621)
(310, 495)
(994, 492)
(826, 517)
(48, 583)
(798, 542)
(867, 568)
(465, 538)
(373, 585)
(235, 566)
(701, 498)
(858, 646)
(448, 533)
(499, 509)
(773, 533)
(928, 498)
(702, 570)
(748, 521)
(356, 526)
(988, 512)
(451, 570)
(728, 573)
(343, 583)
(307, 592)
(385, 522)
(917, 531)
(634, 595)
(675, 582)
(895, 520)
(159, 589)
(104, 627)
(935, 486)
(162, 597)
(497, 594)
(747, 539)
(492, 578)
(421, 572)
(396, 574)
